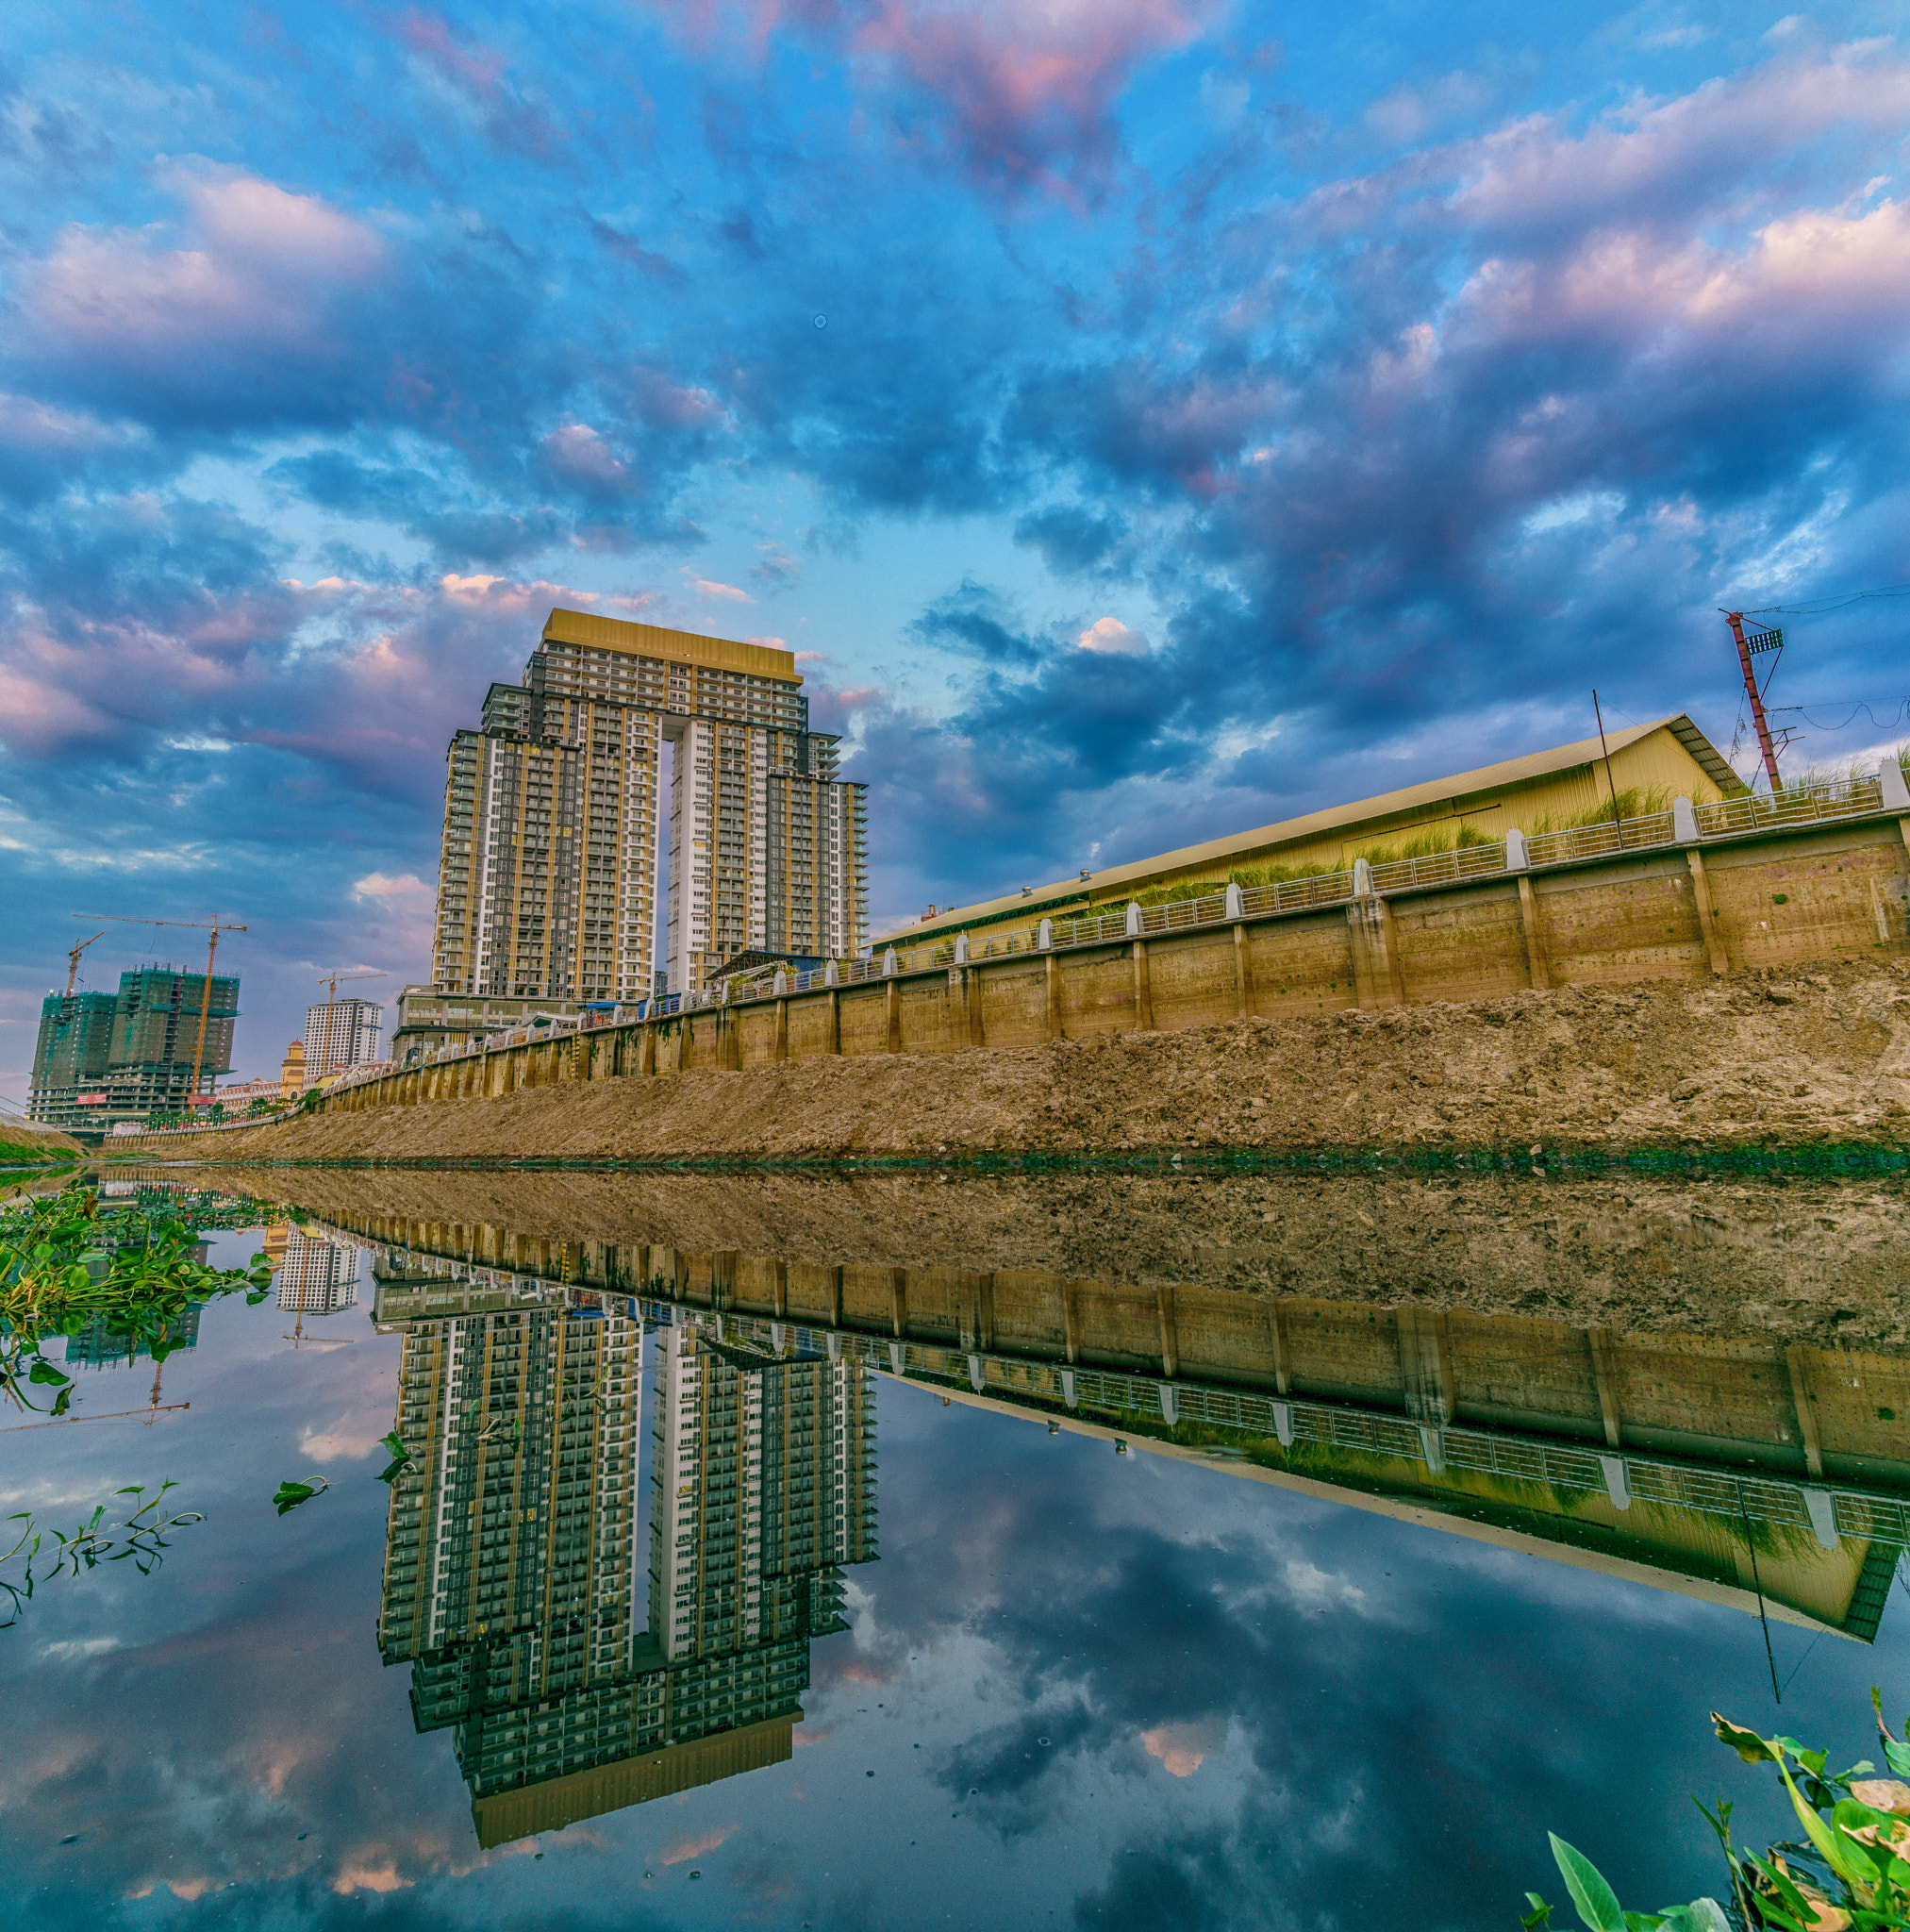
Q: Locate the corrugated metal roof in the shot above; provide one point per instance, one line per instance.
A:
(1318, 824)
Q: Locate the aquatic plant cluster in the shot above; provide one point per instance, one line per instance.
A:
(138, 1533)
(67, 1262)
(1850, 1874)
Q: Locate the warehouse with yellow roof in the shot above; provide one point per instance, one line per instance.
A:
(1642, 768)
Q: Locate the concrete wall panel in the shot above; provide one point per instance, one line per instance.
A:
(1097, 992)
(1300, 965)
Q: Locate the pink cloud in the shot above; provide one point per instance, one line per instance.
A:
(255, 273)
(477, 73)
(1111, 635)
(1182, 1749)
(1029, 91)
(581, 458)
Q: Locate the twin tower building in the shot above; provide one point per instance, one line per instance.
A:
(549, 875)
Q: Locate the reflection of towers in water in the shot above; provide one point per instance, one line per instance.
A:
(512, 1553)
(316, 1277)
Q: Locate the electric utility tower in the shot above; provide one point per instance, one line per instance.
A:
(1751, 643)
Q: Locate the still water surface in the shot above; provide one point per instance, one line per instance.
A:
(733, 1590)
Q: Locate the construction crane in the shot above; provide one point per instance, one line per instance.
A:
(332, 980)
(72, 959)
(212, 929)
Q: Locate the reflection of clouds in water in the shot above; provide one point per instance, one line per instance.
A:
(78, 1650)
(350, 1438)
(1309, 1584)
(363, 1879)
(687, 1848)
(1182, 1749)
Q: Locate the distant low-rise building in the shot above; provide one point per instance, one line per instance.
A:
(239, 1097)
(428, 1018)
(292, 1071)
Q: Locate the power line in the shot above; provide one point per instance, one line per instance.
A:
(1856, 705)
(1825, 605)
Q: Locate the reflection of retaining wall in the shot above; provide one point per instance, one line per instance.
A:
(1782, 898)
(1829, 1553)
(1799, 1409)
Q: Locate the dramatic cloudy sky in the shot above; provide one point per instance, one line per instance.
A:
(1148, 417)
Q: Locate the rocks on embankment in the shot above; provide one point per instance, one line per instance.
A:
(1814, 1057)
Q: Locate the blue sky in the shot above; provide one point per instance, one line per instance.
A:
(1147, 418)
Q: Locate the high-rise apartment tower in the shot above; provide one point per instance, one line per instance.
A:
(552, 819)
(341, 1034)
(512, 1555)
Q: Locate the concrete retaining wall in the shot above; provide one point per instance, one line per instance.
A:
(1802, 1411)
(1785, 900)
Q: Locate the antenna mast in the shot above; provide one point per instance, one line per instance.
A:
(1749, 644)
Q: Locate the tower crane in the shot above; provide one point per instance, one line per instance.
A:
(211, 928)
(332, 980)
(73, 953)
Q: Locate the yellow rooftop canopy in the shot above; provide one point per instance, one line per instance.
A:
(676, 646)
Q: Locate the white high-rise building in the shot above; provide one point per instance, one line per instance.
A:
(552, 819)
(317, 1277)
(341, 1034)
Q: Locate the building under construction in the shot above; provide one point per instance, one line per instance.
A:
(103, 1058)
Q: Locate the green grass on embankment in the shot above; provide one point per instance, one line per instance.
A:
(21, 1145)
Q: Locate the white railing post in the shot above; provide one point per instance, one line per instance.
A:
(1894, 786)
(1683, 822)
(1044, 937)
(1134, 919)
(962, 951)
(888, 964)
(1234, 909)
(830, 976)
(1362, 879)
(1516, 857)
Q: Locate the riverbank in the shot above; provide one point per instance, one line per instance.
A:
(1762, 1059)
(1794, 1258)
(24, 1144)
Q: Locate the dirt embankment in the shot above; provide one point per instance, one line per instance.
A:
(1799, 1260)
(25, 1144)
(1818, 1058)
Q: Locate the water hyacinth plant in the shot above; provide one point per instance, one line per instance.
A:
(65, 1264)
(138, 1534)
(1849, 1873)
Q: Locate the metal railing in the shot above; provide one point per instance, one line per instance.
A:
(1745, 816)
(1289, 1420)
(1438, 868)
(1841, 798)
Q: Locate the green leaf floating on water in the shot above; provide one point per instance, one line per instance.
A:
(399, 1454)
(292, 1494)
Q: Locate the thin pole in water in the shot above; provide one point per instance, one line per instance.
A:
(1758, 1583)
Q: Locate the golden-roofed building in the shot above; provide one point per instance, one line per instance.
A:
(1644, 766)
